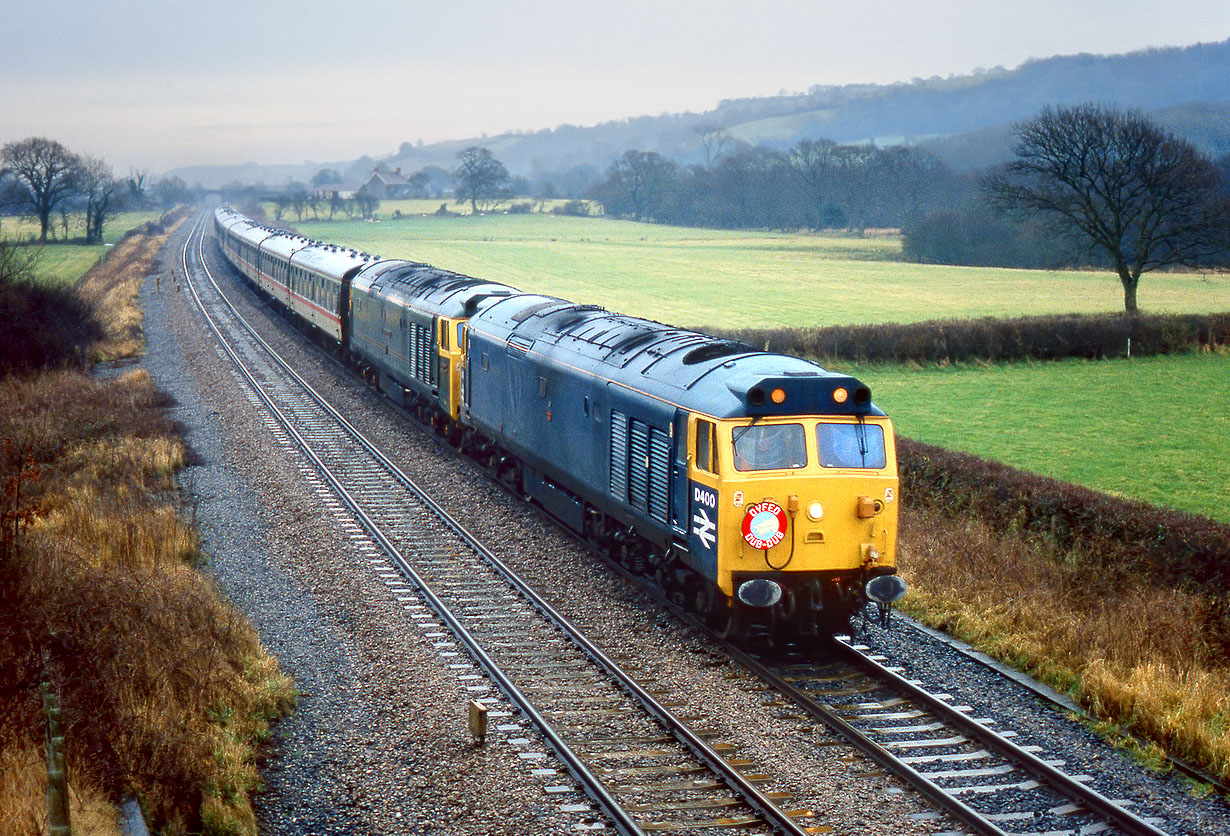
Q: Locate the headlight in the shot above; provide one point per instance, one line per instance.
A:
(815, 511)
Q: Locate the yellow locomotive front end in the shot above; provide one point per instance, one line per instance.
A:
(800, 513)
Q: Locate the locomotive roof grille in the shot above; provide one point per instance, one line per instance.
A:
(569, 318)
(713, 351)
(526, 313)
(471, 305)
(632, 341)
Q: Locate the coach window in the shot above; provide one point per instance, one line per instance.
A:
(705, 447)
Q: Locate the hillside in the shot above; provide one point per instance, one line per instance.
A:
(965, 118)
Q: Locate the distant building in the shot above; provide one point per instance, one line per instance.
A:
(388, 185)
(329, 191)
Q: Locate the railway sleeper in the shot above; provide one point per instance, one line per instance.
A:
(811, 610)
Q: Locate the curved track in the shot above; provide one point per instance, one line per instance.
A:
(959, 762)
(646, 768)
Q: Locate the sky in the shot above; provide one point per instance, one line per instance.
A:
(159, 85)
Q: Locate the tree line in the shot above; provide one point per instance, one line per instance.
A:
(817, 184)
(42, 179)
(1089, 186)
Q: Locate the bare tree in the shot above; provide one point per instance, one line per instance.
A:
(1120, 185)
(750, 180)
(326, 177)
(906, 182)
(171, 190)
(715, 141)
(135, 186)
(853, 188)
(366, 204)
(639, 185)
(98, 186)
(297, 194)
(48, 172)
(815, 165)
(419, 182)
(481, 179)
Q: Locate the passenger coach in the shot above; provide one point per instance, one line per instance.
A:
(309, 278)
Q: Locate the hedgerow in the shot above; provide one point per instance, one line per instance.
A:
(994, 340)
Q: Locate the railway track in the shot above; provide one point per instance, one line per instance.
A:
(648, 770)
(960, 763)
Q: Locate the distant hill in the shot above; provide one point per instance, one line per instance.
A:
(1204, 124)
(964, 119)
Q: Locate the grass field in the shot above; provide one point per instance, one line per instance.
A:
(718, 278)
(1154, 429)
(65, 263)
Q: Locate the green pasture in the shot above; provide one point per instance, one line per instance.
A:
(728, 279)
(1154, 429)
(61, 263)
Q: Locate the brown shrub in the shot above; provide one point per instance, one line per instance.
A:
(111, 287)
(1114, 535)
(42, 327)
(1143, 655)
(164, 689)
(156, 675)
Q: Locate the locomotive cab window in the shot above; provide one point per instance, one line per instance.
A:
(706, 449)
(770, 447)
(851, 445)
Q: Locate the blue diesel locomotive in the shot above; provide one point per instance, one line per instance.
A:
(760, 490)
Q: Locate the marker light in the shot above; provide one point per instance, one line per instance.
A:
(778, 395)
(840, 395)
(815, 511)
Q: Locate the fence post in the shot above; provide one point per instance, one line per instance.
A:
(57, 780)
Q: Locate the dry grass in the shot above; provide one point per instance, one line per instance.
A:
(1148, 658)
(165, 690)
(23, 787)
(112, 286)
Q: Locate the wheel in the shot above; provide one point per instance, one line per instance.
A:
(702, 599)
(783, 629)
(724, 618)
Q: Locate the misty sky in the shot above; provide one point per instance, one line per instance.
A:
(162, 84)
